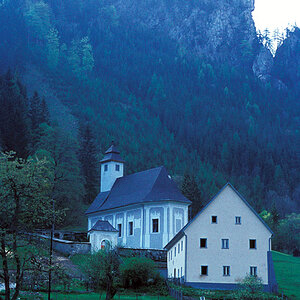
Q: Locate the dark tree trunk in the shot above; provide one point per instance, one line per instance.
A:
(5, 267)
(18, 268)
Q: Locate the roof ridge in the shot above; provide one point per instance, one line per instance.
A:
(161, 168)
(106, 196)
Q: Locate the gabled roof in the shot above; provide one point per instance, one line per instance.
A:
(181, 232)
(103, 226)
(112, 153)
(148, 186)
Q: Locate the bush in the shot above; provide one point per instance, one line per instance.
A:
(137, 272)
(251, 288)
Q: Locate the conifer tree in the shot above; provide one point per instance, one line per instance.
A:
(191, 191)
(88, 160)
(14, 121)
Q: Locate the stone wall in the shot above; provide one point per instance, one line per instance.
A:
(69, 247)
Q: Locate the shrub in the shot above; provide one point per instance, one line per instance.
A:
(137, 272)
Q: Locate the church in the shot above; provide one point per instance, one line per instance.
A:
(144, 210)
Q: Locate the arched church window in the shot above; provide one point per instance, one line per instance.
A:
(105, 244)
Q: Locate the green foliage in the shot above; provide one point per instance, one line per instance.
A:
(25, 204)
(103, 270)
(52, 48)
(191, 191)
(287, 236)
(25, 192)
(81, 57)
(37, 17)
(61, 150)
(251, 287)
(137, 272)
(89, 164)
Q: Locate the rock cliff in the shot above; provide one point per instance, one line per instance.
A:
(210, 28)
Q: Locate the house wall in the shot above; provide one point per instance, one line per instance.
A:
(96, 238)
(226, 206)
(109, 177)
(172, 217)
(177, 261)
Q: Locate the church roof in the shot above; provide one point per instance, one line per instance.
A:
(147, 186)
(103, 226)
(112, 153)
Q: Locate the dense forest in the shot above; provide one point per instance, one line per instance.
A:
(99, 76)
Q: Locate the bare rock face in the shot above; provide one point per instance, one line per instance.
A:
(263, 64)
(209, 28)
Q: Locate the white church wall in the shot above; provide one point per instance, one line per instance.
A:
(142, 215)
(226, 207)
(109, 173)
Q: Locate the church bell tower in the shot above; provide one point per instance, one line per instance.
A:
(112, 167)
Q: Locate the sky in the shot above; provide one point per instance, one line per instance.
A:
(274, 14)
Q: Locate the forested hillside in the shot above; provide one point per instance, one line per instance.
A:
(163, 102)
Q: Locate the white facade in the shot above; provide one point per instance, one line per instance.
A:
(229, 218)
(110, 171)
(171, 216)
(102, 239)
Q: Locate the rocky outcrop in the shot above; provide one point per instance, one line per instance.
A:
(263, 64)
(210, 28)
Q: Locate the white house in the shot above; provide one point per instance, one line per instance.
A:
(223, 243)
(145, 208)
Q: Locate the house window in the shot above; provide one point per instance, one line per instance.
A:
(171, 254)
(203, 243)
(105, 168)
(252, 244)
(204, 270)
(178, 248)
(226, 271)
(174, 272)
(238, 220)
(253, 271)
(130, 228)
(154, 225)
(117, 167)
(214, 219)
(175, 252)
(181, 245)
(225, 243)
(181, 271)
(120, 229)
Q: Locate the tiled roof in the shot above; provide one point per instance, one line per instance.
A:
(103, 226)
(148, 186)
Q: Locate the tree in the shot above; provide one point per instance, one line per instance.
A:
(81, 57)
(103, 269)
(190, 190)
(52, 48)
(14, 121)
(25, 194)
(89, 164)
(61, 150)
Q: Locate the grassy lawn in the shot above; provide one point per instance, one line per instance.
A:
(93, 296)
(287, 271)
